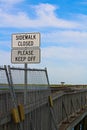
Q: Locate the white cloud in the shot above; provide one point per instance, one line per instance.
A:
(10, 1)
(69, 54)
(45, 17)
(9, 20)
(83, 2)
(65, 37)
(46, 14)
(5, 58)
(9, 7)
(71, 75)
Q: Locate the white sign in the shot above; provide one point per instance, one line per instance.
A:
(23, 40)
(31, 55)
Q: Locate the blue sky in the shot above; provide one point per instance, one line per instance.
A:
(63, 28)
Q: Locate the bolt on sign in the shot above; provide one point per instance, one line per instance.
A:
(25, 48)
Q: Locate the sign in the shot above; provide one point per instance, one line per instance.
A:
(31, 55)
(23, 40)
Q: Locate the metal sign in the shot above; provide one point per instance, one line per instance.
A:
(20, 56)
(23, 40)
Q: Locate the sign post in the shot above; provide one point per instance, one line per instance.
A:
(25, 92)
(25, 49)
